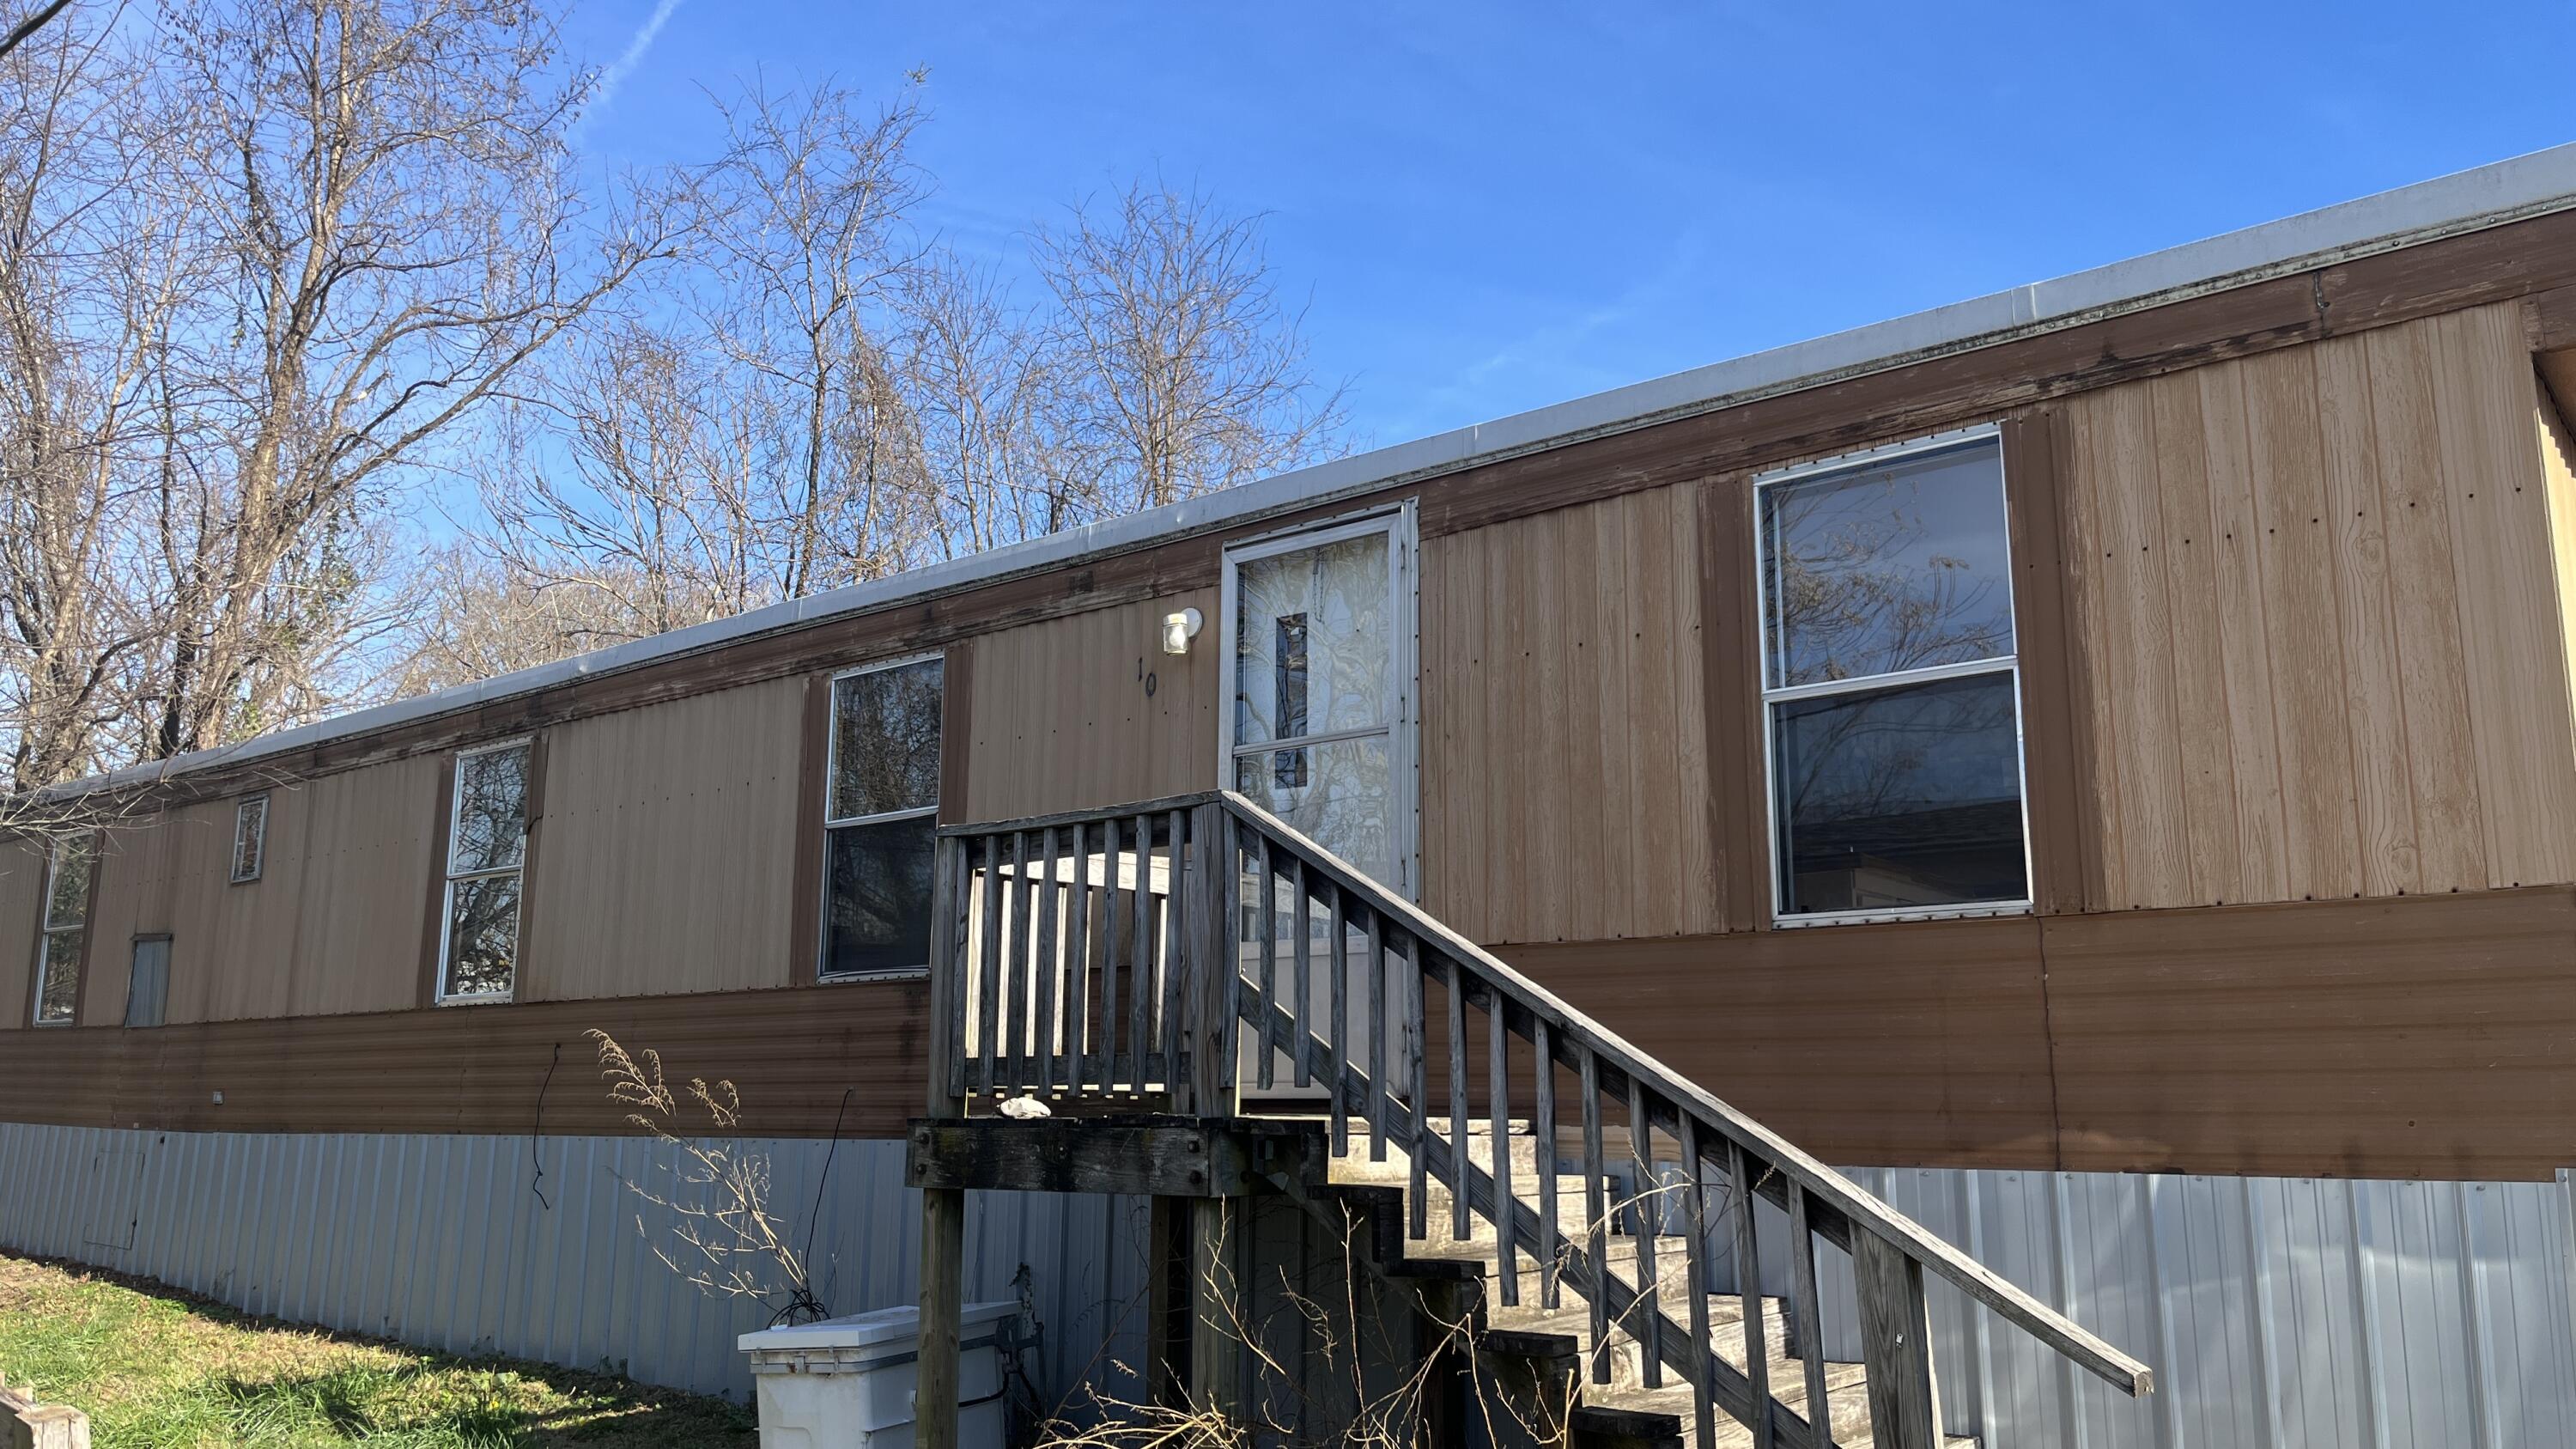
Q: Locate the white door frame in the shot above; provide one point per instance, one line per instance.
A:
(1400, 524)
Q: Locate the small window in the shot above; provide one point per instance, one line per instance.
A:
(881, 819)
(1890, 682)
(250, 838)
(487, 845)
(147, 992)
(66, 933)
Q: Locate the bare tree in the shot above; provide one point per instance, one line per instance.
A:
(258, 261)
(975, 371)
(471, 615)
(807, 244)
(1179, 371)
(94, 268)
(750, 443)
(386, 188)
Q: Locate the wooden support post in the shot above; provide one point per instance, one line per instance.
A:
(1208, 957)
(943, 1290)
(943, 1210)
(1218, 1315)
(1896, 1343)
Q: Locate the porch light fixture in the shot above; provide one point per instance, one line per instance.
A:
(1179, 629)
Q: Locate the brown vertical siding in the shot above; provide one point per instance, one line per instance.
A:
(2315, 588)
(2057, 749)
(1060, 719)
(1565, 752)
(1739, 812)
(670, 849)
(369, 840)
(331, 925)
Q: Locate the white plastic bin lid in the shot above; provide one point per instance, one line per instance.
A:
(893, 1330)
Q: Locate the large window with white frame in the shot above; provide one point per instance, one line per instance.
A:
(487, 852)
(880, 810)
(65, 939)
(1890, 684)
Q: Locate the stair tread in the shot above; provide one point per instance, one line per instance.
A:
(1633, 1411)
(1624, 1409)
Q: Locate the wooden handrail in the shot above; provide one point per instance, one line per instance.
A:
(1052, 924)
(1575, 1034)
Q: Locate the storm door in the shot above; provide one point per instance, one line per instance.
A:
(1319, 730)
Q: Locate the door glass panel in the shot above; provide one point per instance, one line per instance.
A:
(1901, 797)
(1885, 569)
(1343, 803)
(1313, 639)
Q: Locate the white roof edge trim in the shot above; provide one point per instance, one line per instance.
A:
(2473, 200)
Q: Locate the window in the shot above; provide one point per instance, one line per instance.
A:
(881, 808)
(250, 838)
(147, 992)
(487, 844)
(66, 933)
(1890, 684)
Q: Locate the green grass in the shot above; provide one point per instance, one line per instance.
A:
(156, 1369)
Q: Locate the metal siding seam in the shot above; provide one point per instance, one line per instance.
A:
(2258, 1267)
(303, 1197)
(144, 1244)
(376, 1289)
(332, 1199)
(549, 1262)
(2063, 1217)
(2482, 1370)
(65, 1148)
(2169, 1413)
(1981, 1321)
(2374, 1402)
(261, 1226)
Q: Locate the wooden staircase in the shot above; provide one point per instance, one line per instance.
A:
(1546, 1354)
(1153, 956)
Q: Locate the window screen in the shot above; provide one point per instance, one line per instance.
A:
(1891, 686)
(881, 819)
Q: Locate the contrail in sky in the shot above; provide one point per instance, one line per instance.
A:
(617, 70)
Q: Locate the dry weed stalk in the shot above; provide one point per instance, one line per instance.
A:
(1337, 1403)
(722, 1237)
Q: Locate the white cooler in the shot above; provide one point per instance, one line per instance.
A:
(847, 1383)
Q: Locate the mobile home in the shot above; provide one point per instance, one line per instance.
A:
(2094, 763)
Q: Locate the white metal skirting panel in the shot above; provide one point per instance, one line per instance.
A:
(2278, 1313)
(444, 1241)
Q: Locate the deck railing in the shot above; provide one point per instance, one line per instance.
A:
(1111, 954)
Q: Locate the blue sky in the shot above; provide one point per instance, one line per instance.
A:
(1493, 208)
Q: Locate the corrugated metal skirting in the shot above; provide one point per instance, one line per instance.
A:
(445, 1241)
(2278, 1313)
